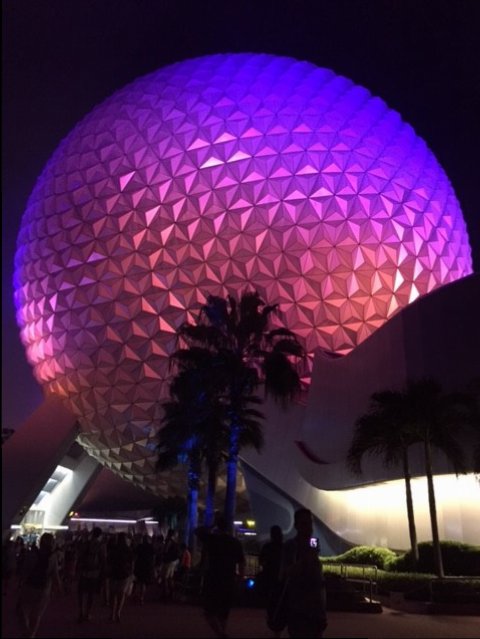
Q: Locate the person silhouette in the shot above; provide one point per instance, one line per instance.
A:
(41, 573)
(90, 564)
(224, 555)
(302, 576)
(270, 560)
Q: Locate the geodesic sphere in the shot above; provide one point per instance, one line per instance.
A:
(212, 176)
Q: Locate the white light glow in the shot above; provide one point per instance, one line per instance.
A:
(94, 520)
(98, 520)
(47, 511)
(376, 514)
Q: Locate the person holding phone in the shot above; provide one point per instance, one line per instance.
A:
(304, 586)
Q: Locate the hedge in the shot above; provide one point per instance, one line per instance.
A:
(415, 586)
(375, 555)
(458, 559)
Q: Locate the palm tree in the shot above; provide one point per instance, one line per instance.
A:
(427, 415)
(173, 451)
(243, 354)
(195, 395)
(193, 432)
(439, 420)
(382, 432)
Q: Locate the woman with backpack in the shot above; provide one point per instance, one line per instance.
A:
(39, 574)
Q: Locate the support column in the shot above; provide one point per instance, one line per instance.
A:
(31, 454)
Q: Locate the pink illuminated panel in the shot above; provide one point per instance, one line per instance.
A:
(212, 176)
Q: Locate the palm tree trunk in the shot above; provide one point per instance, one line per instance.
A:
(232, 464)
(437, 552)
(410, 512)
(192, 507)
(210, 497)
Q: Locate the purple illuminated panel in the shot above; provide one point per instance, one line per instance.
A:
(212, 176)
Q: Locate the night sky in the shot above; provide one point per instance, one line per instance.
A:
(62, 57)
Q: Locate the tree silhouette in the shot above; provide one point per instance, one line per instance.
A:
(242, 353)
(193, 432)
(420, 413)
(383, 431)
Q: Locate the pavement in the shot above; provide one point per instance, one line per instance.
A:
(155, 620)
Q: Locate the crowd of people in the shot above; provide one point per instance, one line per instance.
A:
(109, 568)
(104, 568)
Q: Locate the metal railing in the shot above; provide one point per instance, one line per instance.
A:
(365, 579)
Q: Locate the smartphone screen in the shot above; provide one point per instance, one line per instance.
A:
(315, 543)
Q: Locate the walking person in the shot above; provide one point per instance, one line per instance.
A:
(9, 564)
(225, 565)
(185, 562)
(304, 599)
(20, 553)
(91, 565)
(40, 573)
(104, 579)
(171, 556)
(270, 560)
(121, 562)
(184, 572)
(70, 564)
(159, 547)
(144, 567)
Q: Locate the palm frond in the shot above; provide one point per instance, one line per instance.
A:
(282, 381)
(289, 347)
(216, 312)
(379, 432)
(421, 412)
(167, 459)
(208, 334)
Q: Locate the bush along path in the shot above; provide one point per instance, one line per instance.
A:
(422, 591)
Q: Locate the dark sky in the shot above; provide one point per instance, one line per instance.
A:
(62, 57)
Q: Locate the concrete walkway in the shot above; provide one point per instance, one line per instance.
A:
(155, 620)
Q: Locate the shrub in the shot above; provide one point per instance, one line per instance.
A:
(465, 592)
(374, 555)
(415, 586)
(402, 581)
(386, 581)
(458, 559)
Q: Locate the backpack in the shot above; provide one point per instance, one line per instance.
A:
(38, 575)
